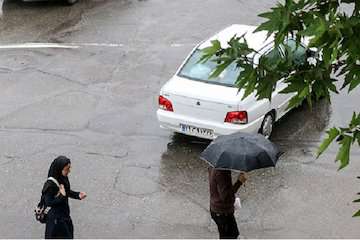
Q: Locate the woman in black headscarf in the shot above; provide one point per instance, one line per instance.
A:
(56, 193)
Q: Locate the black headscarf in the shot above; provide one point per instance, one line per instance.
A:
(55, 171)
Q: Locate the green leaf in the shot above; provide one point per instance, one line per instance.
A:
(316, 28)
(356, 201)
(355, 121)
(247, 75)
(352, 77)
(355, 82)
(309, 101)
(344, 152)
(250, 88)
(295, 102)
(332, 88)
(274, 21)
(294, 85)
(332, 134)
(304, 92)
(219, 69)
(210, 51)
(357, 214)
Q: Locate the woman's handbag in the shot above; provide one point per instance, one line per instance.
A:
(41, 209)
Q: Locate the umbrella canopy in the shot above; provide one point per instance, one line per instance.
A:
(241, 152)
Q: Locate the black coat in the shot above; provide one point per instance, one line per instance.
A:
(58, 223)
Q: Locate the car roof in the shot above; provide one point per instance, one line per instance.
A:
(257, 40)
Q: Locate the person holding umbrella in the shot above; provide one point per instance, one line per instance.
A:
(240, 152)
(222, 199)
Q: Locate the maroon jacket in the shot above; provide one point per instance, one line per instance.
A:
(222, 191)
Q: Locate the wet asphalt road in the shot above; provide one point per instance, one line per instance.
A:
(96, 104)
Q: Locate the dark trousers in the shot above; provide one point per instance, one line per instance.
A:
(226, 224)
(59, 228)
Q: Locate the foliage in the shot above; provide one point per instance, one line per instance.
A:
(331, 63)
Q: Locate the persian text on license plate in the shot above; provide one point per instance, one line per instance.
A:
(196, 131)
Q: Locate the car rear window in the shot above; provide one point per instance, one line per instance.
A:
(201, 71)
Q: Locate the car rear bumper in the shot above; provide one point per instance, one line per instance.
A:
(172, 121)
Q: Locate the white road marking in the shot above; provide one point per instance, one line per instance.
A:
(58, 45)
(36, 45)
(31, 45)
(176, 45)
(100, 44)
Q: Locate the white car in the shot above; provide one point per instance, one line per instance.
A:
(190, 103)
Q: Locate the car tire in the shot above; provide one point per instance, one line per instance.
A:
(267, 125)
(70, 2)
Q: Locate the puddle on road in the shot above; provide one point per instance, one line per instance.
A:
(302, 126)
(184, 151)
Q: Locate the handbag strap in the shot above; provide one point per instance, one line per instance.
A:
(42, 200)
(54, 181)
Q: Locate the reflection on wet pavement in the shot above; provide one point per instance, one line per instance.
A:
(303, 127)
(97, 105)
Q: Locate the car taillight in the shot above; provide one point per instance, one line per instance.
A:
(239, 117)
(165, 104)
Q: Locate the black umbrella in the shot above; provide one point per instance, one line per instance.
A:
(241, 152)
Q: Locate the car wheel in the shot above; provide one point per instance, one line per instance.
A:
(267, 125)
(71, 2)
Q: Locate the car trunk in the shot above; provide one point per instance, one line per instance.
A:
(204, 101)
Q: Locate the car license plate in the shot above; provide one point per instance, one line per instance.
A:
(196, 131)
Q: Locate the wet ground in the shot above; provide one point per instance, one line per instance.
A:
(95, 102)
